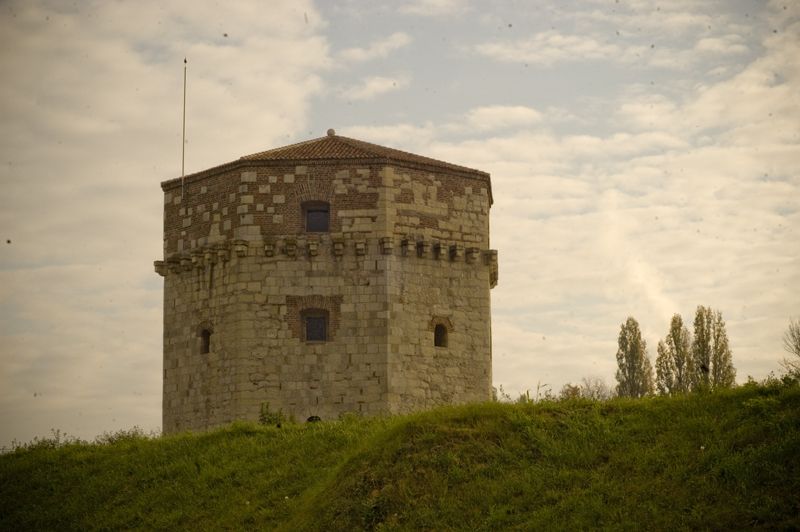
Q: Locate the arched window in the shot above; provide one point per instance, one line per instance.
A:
(205, 341)
(315, 325)
(317, 216)
(440, 335)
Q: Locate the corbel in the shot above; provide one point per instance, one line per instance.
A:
(456, 251)
(361, 247)
(222, 252)
(197, 258)
(405, 244)
(269, 248)
(338, 244)
(174, 263)
(290, 247)
(387, 244)
(494, 270)
(313, 248)
(209, 256)
(240, 247)
(186, 262)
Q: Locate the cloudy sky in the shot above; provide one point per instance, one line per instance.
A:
(645, 159)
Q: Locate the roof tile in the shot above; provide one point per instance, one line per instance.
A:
(338, 147)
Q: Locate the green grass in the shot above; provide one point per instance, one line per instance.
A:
(720, 461)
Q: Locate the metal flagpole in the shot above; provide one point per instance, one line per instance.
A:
(183, 136)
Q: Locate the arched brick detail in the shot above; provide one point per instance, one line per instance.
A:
(312, 189)
(440, 320)
(295, 305)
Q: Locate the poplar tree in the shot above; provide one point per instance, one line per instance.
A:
(711, 354)
(634, 372)
(701, 348)
(723, 374)
(674, 367)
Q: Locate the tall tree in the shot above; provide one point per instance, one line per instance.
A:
(711, 354)
(701, 349)
(723, 374)
(634, 372)
(674, 367)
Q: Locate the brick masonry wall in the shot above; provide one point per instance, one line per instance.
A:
(239, 263)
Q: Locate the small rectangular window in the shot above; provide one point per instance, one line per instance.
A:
(317, 218)
(316, 329)
(440, 336)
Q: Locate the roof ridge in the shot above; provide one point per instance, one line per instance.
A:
(288, 146)
(388, 152)
(333, 146)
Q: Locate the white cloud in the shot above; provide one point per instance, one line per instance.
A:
(550, 47)
(726, 44)
(433, 8)
(497, 117)
(654, 19)
(377, 49)
(374, 86)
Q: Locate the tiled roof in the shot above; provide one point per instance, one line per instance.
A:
(335, 146)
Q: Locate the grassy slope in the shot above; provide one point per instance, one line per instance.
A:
(728, 460)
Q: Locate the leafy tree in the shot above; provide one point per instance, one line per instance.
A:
(791, 343)
(595, 388)
(570, 391)
(634, 372)
(674, 368)
(711, 355)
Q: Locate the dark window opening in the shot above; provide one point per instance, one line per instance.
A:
(315, 325)
(440, 336)
(317, 217)
(205, 341)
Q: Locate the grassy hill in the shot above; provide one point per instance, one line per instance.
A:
(721, 461)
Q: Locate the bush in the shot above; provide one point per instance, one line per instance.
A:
(270, 418)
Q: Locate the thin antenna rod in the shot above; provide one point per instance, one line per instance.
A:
(183, 137)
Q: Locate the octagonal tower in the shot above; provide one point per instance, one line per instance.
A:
(325, 277)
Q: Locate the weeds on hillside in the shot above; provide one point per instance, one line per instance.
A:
(273, 419)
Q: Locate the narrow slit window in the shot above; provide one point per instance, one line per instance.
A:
(440, 336)
(205, 341)
(317, 217)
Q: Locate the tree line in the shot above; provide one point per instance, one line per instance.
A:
(685, 362)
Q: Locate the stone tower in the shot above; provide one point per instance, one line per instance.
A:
(325, 277)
